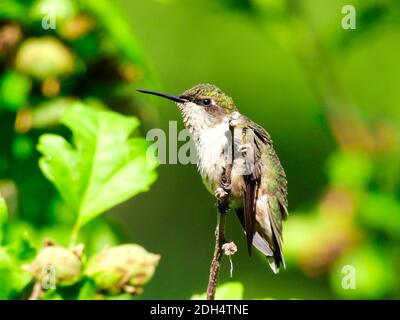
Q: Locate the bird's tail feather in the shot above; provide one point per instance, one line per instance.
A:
(274, 258)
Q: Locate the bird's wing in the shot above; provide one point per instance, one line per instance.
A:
(265, 177)
(250, 195)
(273, 189)
(252, 135)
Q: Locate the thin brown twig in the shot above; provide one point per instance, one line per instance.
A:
(217, 258)
(220, 240)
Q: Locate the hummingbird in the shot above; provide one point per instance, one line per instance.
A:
(258, 188)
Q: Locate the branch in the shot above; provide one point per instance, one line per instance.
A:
(223, 208)
(217, 258)
(37, 291)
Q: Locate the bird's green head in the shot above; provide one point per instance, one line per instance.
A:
(203, 100)
(210, 97)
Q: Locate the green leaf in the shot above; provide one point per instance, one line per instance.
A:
(88, 290)
(226, 291)
(6, 265)
(12, 278)
(22, 250)
(103, 167)
(3, 217)
(14, 90)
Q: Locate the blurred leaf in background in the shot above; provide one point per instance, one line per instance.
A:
(3, 216)
(14, 90)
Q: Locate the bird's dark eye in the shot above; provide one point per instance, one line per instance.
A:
(206, 102)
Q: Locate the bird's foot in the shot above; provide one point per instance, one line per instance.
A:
(223, 191)
(220, 193)
(227, 187)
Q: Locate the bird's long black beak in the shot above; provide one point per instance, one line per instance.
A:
(179, 99)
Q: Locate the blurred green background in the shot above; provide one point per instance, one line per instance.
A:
(329, 97)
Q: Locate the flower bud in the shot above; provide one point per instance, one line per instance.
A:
(124, 268)
(56, 265)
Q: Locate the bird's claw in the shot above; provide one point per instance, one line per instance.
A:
(227, 187)
(221, 193)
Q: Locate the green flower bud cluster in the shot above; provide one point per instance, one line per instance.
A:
(124, 268)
